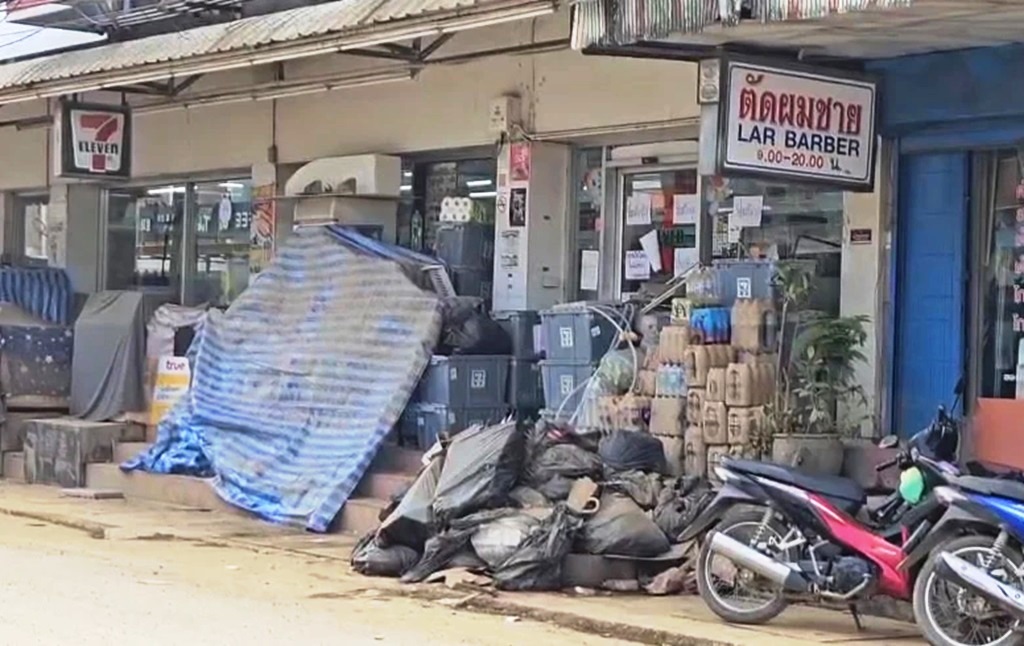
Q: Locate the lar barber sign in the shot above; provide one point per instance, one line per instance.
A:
(797, 125)
(94, 141)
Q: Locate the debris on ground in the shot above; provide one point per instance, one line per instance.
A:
(497, 506)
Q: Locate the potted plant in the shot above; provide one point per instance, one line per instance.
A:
(816, 381)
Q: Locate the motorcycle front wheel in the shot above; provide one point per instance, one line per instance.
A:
(733, 593)
(950, 615)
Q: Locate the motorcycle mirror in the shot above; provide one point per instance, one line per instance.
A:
(889, 442)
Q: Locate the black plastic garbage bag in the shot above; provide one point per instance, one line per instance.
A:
(632, 450)
(480, 469)
(412, 521)
(680, 505)
(527, 497)
(449, 546)
(467, 559)
(467, 329)
(439, 551)
(393, 502)
(621, 528)
(644, 488)
(567, 460)
(537, 563)
(556, 489)
(497, 540)
(553, 469)
(370, 559)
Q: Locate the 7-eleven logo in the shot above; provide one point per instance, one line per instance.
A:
(98, 140)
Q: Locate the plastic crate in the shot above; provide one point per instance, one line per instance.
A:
(521, 327)
(421, 425)
(466, 244)
(470, 281)
(563, 382)
(525, 385)
(464, 381)
(582, 337)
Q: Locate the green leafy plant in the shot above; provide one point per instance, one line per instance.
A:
(815, 365)
(823, 365)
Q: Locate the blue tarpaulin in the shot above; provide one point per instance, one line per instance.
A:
(42, 291)
(296, 385)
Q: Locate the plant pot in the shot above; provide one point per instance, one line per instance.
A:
(813, 454)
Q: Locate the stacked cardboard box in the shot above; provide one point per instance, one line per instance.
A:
(669, 406)
(736, 394)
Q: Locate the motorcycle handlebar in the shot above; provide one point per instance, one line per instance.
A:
(888, 463)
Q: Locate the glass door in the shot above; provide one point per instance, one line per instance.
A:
(657, 217)
(189, 240)
(220, 242)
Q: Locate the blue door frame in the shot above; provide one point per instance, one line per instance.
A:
(930, 285)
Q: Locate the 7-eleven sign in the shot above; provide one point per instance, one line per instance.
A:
(95, 141)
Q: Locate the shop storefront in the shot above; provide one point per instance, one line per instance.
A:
(188, 240)
(957, 285)
(639, 209)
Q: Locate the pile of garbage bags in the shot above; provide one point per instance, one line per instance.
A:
(514, 504)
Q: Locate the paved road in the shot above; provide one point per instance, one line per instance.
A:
(57, 586)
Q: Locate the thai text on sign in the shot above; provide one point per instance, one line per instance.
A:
(798, 124)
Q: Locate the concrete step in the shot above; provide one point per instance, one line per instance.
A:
(383, 485)
(14, 466)
(395, 459)
(359, 516)
(124, 451)
(185, 491)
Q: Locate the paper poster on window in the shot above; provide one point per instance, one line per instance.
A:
(638, 209)
(517, 207)
(590, 261)
(685, 209)
(649, 243)
(682, 259)
(262, 229)
(746, 210)
(638, 267)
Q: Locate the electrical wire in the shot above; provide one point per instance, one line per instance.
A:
(11, 43)
(622, 326)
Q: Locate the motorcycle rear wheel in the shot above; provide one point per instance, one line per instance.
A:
(929, 588)
(740, 524)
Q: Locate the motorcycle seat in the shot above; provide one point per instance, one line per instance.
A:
(843, 492)
(999, 487)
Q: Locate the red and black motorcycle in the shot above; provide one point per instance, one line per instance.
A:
(774, 535)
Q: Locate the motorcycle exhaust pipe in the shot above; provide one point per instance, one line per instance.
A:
(747, 557)
(955, 569)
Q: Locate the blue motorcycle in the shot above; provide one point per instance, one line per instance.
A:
(970, 590)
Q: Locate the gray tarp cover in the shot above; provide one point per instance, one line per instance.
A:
(107, 369)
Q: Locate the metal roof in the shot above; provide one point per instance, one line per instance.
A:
(868, 29)
(284, 35)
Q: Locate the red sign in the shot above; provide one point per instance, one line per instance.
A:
(519, 162)
(797, 124)
(95, 141)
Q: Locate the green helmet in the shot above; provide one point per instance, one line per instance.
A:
(912, 485)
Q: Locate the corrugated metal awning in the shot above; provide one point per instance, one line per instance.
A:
(286, 35)
(623, 22)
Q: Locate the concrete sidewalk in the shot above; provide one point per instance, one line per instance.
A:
(678, 620)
